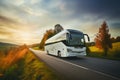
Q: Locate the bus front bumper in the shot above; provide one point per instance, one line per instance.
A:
(81, 53)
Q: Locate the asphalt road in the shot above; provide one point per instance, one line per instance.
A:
(81, 68)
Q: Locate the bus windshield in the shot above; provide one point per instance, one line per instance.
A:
(74, 38)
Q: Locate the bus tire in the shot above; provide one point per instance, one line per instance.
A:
(47, 52)
(59, 53)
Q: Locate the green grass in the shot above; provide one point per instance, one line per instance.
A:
(113, 53)
(11, 64)
(27, 67)
(36, 48)
(36, 70)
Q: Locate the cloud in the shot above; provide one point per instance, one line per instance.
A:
(35, 16)
(35, 1)
(6, 20)
(64, 9)
(99, 8)
(33, 12)
(116, 25)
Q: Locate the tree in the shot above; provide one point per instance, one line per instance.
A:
(58, 28)
(49, 33)
(113, 40)
(118, 39)
(103, 40)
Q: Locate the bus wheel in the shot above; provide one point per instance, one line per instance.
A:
(48, 52)
(59, 53)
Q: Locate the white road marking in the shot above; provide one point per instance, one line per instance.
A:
(84, 67)
(90, 69)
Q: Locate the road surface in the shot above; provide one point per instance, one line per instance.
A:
(82, 68)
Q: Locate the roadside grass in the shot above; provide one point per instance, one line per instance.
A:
(12, 56)
(11, 63)
(36, 70)
(36, 48)
(21, 64)
(113, 53)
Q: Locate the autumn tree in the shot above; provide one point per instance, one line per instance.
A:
(102, 39)
(49, 33)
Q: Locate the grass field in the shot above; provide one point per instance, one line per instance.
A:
(36, 70)
(36, 48)
(21, 64)
(113, 53)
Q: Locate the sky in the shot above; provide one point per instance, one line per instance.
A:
(25, 21)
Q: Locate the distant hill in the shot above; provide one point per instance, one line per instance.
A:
(4, 46)
(7, 44)
(34, 45)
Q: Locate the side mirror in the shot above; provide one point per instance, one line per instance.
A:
(87, 37)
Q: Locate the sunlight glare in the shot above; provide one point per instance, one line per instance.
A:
(26, 37)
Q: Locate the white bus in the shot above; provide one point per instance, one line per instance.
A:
(67, 43)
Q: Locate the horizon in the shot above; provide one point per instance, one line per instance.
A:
(25, 22)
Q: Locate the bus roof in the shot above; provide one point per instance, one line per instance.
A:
(74, 31)
(61, 35)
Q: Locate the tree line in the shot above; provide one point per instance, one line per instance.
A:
(117, 39)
